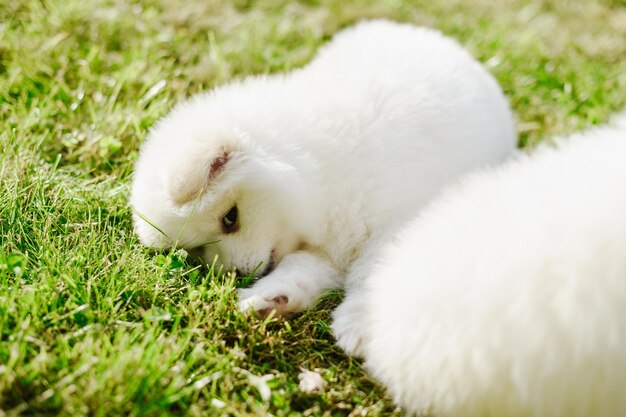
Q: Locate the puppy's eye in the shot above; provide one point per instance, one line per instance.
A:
(229, 221)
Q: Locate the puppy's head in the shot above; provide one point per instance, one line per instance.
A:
(200, 183)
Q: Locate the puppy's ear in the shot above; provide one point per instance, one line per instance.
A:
(194, 176)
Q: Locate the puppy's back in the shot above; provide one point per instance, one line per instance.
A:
(508, 296)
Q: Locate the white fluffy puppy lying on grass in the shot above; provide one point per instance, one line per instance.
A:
(294, 176)
(507, 295)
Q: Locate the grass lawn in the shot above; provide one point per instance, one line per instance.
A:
(91, 323)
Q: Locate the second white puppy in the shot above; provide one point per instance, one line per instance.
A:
(298, 175)
(507, 296)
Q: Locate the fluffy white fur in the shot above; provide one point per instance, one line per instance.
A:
(507, 295)
(320, 162)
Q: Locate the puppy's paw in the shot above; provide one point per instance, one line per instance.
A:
(262, 304)
(348, 327)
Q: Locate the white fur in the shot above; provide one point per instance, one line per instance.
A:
(321, 161)
(507, 295)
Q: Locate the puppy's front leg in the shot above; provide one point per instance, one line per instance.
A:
(349, 322)
(293, 286)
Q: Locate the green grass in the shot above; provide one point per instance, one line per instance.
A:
(91, 323)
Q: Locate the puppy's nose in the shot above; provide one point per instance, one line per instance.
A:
(240, 273)
(196, 253)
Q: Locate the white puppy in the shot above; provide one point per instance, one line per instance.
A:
(507, 295)
(293, 176)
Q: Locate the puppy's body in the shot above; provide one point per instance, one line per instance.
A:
(319, 162)
(507, 296)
